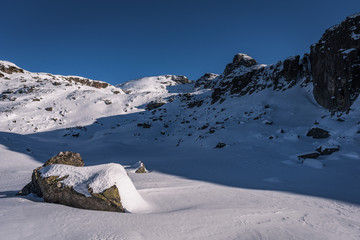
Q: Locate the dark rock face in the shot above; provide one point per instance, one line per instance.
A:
(67, 158)
(241, 78)
(239, 59)
(333, 66)
(318, 133)
(335, 63)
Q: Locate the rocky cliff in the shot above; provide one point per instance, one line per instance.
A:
(333, 66)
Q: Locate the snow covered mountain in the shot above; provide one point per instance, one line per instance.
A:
(232, 155)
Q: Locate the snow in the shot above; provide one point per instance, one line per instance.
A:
(347, 51)
(254, 188)
(355, 36)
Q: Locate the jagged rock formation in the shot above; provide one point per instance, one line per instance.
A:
(206, 81)
(245, 76)
(335, 63)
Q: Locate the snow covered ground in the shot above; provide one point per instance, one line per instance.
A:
(253, 188)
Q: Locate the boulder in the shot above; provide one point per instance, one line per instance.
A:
(63, 179)
(54, 190)
(318, 133)
(220, 145)
(309, 155)
(140, 167)
(327, 150)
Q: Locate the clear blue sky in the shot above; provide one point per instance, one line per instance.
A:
(116, 41)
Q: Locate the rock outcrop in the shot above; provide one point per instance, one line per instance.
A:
(335, 64)
(10, 69)
(317, 133)
(244, 76)
(87, 82)
(206, 81)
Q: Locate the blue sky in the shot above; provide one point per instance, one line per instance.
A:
(116, 41)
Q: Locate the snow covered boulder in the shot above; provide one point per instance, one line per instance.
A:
(103, 187)
(63, 179)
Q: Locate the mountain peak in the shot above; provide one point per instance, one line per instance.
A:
(244, 59)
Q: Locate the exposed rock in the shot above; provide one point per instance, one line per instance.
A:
(140, 167)
(206, 81)
(309, 155)
(152, 105)
(10, 69)
(335, 63)
(327, 150)
(318, 133)
(220, 145)
(239, 59)
(107, 102)
(67, 158)
(240, 78)
(87, 82)
(179, 79)
(144, 125)
(195, 103)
